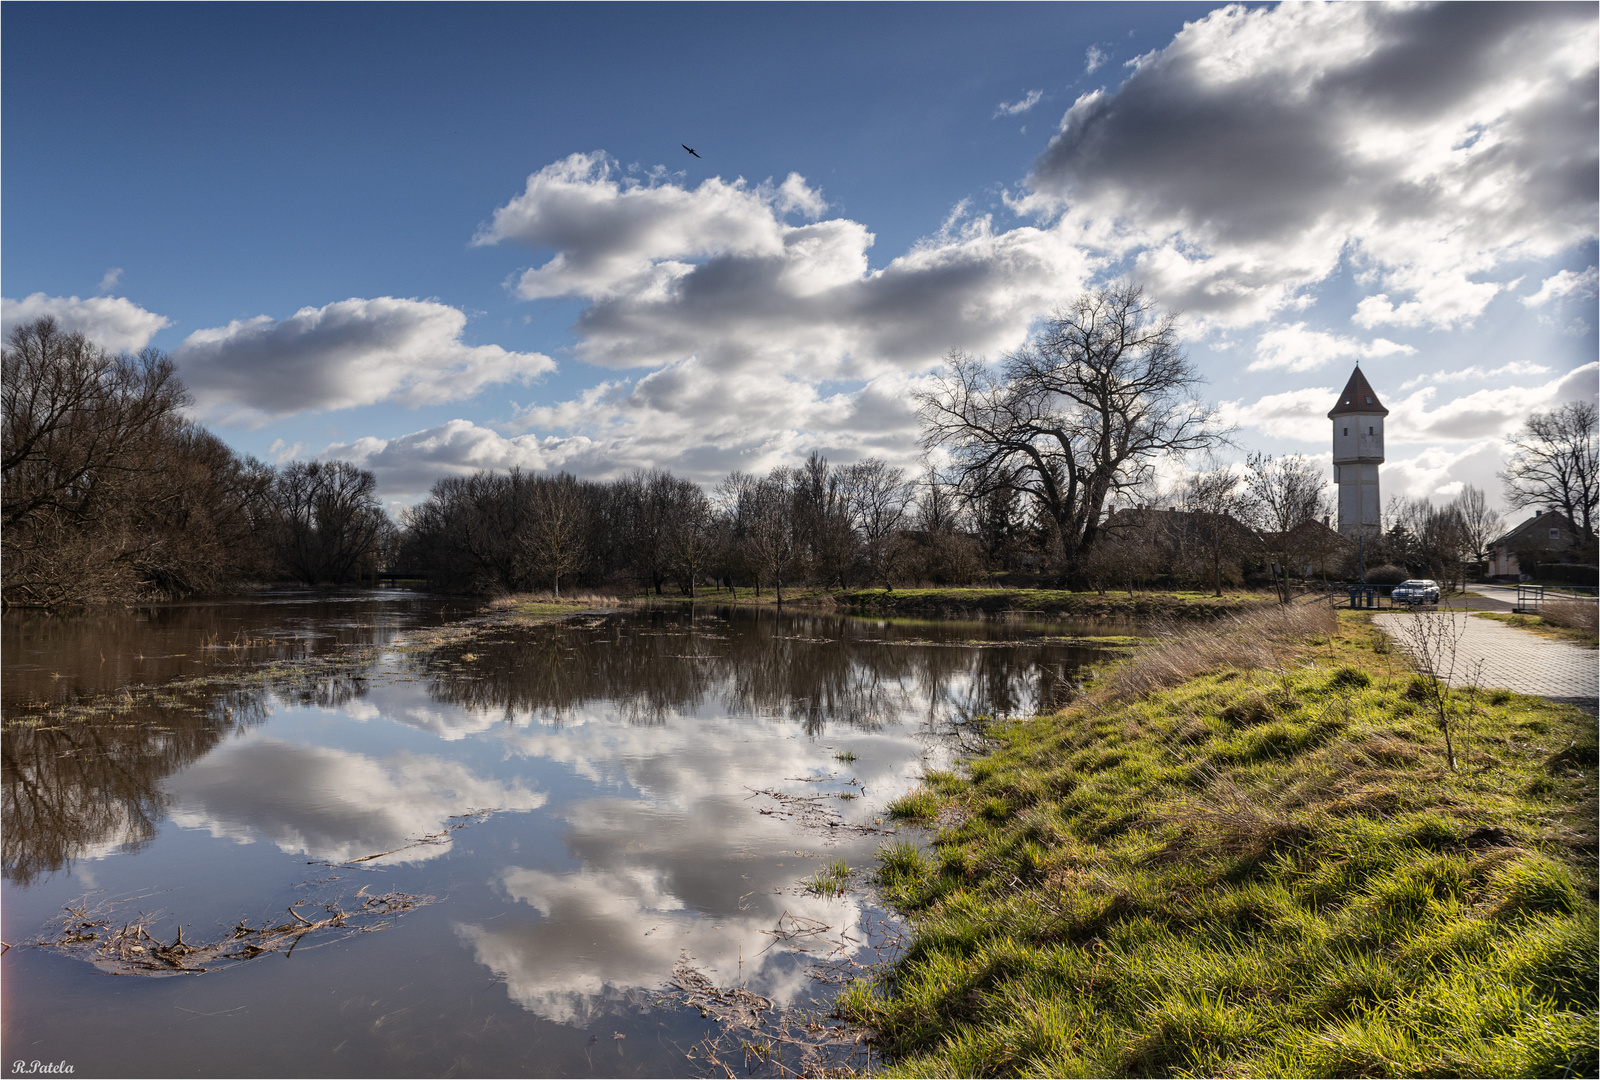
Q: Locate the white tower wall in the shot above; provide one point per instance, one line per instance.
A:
(1357, 453)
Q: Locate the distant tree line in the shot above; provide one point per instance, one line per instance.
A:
(109, 493)
(1047, 465)
(817, 524)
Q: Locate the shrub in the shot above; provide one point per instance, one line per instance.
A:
(1569, 574)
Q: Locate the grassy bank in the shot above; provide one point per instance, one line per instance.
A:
(1576, 634)
(1246, 855)
(960, 603)
(967, 602)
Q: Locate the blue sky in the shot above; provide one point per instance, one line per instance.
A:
(437, 238)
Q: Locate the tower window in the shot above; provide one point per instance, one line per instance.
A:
(1347, 431)
(1369, 431)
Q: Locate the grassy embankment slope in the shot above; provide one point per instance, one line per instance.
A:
(1246, 855)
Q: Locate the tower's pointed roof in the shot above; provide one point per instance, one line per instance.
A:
(1358, 397)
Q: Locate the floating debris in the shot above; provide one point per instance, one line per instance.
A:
(813, 812)
(757, 1038)
(94, 935)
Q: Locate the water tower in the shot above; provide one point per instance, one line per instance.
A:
(1357, 453)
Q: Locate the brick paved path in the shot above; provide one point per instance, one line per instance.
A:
(1513, 658)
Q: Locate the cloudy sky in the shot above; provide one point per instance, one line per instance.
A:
(437, 239)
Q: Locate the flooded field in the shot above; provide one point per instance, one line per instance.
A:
(315, 835)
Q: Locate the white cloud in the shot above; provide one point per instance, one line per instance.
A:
(1302, 415)
(1566, 283)
(1439, 473)
(765, 294)
(1295, 348)
(1481, 374)
(701, 424)
(1429, 152)
(349, 353)
(281, 451)
(1264, 149)
(1093, 59)
(1021, 105)
(109, 281)
(1486, 413)
(613, 233)
(112, 322)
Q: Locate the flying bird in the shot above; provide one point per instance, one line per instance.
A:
(690, 149)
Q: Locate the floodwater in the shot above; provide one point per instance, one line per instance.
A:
(577, 810)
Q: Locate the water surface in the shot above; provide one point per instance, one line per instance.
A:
(598, 802)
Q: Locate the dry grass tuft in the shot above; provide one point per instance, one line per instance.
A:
(1573, 614)
(566, 599)
(1254, 639)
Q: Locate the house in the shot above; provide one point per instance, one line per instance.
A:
(1546, 531)
(1312, 548)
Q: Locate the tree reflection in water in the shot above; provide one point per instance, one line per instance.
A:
(76, 788)
(812, 670)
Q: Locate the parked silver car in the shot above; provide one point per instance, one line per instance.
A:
(1416, 591)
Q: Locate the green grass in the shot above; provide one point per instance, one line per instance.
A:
(977, 601)
(1266, 872)
(1539, 626)
(832, 880)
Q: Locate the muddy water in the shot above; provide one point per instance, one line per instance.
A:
(580, 808)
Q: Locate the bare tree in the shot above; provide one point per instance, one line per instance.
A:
(876, 496)
(108, 493)
(1076, 416)
(1213, 501)
(76, 418)
(691, 534)
(1434, 640)
(558, 527)
(770, 533)
(1433, 536)
(328, 520)
(1554, 466)
(1480, 523)
(1284, 494)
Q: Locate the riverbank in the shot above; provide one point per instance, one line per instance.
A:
(1247, 854)
(956, 603)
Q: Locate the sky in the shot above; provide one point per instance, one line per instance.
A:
(432, 239)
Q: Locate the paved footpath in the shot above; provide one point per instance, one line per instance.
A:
(1512, 658)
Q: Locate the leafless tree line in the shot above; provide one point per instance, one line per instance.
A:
(817, 524)
(111, 494)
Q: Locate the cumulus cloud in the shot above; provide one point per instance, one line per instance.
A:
(1559, 286)
(1424, 150)
(719, 273)
(1296, 348)
(702, 424)
(112, 322)
(1021, 105)
(1263, 149)
(1477, 373)
(1092, 59)
(1439, 473)
(1302, 415)
(344, 354)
